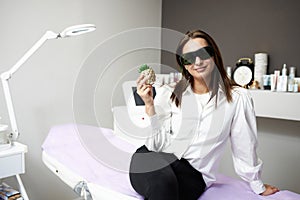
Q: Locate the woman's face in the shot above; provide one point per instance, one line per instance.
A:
(199, 68)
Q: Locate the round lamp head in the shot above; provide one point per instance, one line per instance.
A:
(77, 30)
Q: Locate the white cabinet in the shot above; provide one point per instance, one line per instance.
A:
(279, 105)
(12, 163)
(12, 160)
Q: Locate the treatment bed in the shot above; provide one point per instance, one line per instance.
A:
(94, 161)
(85, 158)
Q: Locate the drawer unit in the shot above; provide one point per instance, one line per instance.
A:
(12, 160)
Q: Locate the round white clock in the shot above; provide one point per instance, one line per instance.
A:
(243, 75)
(244, 72)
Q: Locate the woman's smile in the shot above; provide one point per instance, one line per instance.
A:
(200, 69)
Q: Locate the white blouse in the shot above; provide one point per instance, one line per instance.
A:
(199, 133)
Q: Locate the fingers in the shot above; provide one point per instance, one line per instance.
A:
(144, 89)
(275, 189)
(270, 190)
(147, 89)
(139, 80)
(142, 79)
(272, 187)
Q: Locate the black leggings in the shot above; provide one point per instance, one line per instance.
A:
(161, 176)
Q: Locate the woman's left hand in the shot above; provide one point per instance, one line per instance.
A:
(269, 190)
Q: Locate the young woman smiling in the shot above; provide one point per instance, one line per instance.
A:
(191, 124)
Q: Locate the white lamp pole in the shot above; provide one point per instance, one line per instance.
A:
(5, 76)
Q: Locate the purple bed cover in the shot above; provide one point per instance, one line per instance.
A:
(87, 150)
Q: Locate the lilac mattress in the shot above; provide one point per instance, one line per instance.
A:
(102, 158)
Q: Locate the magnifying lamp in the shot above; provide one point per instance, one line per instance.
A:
(77, 30)
(5, 76)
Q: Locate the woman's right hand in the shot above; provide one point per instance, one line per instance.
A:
(144, 90)
(146, 93)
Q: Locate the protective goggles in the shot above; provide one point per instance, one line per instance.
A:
(203, 53)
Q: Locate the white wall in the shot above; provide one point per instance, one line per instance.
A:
(43, 88)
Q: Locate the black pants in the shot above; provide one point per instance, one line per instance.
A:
(161, 176)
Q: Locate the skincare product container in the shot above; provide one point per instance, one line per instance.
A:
(283, 79)
(267, 82)
(260, 66)
(282, 84)
(284, 70)
(228, 71)
(291, 81)
(296, 86)
(273, 82)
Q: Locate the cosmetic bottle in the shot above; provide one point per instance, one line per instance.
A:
(283, 80)
(229, 71)
(267, 82)
(274, 81)
(291, 81)
(296, 86)
(283, 83)
(284, 70)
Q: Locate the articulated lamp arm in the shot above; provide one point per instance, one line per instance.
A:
(5, 76)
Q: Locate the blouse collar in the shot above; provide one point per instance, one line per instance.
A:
(221, 95)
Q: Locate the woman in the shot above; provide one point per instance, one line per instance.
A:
(191, 125)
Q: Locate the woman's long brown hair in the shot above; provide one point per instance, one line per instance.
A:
(219, 77)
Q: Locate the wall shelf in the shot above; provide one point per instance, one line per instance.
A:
(278, 105)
